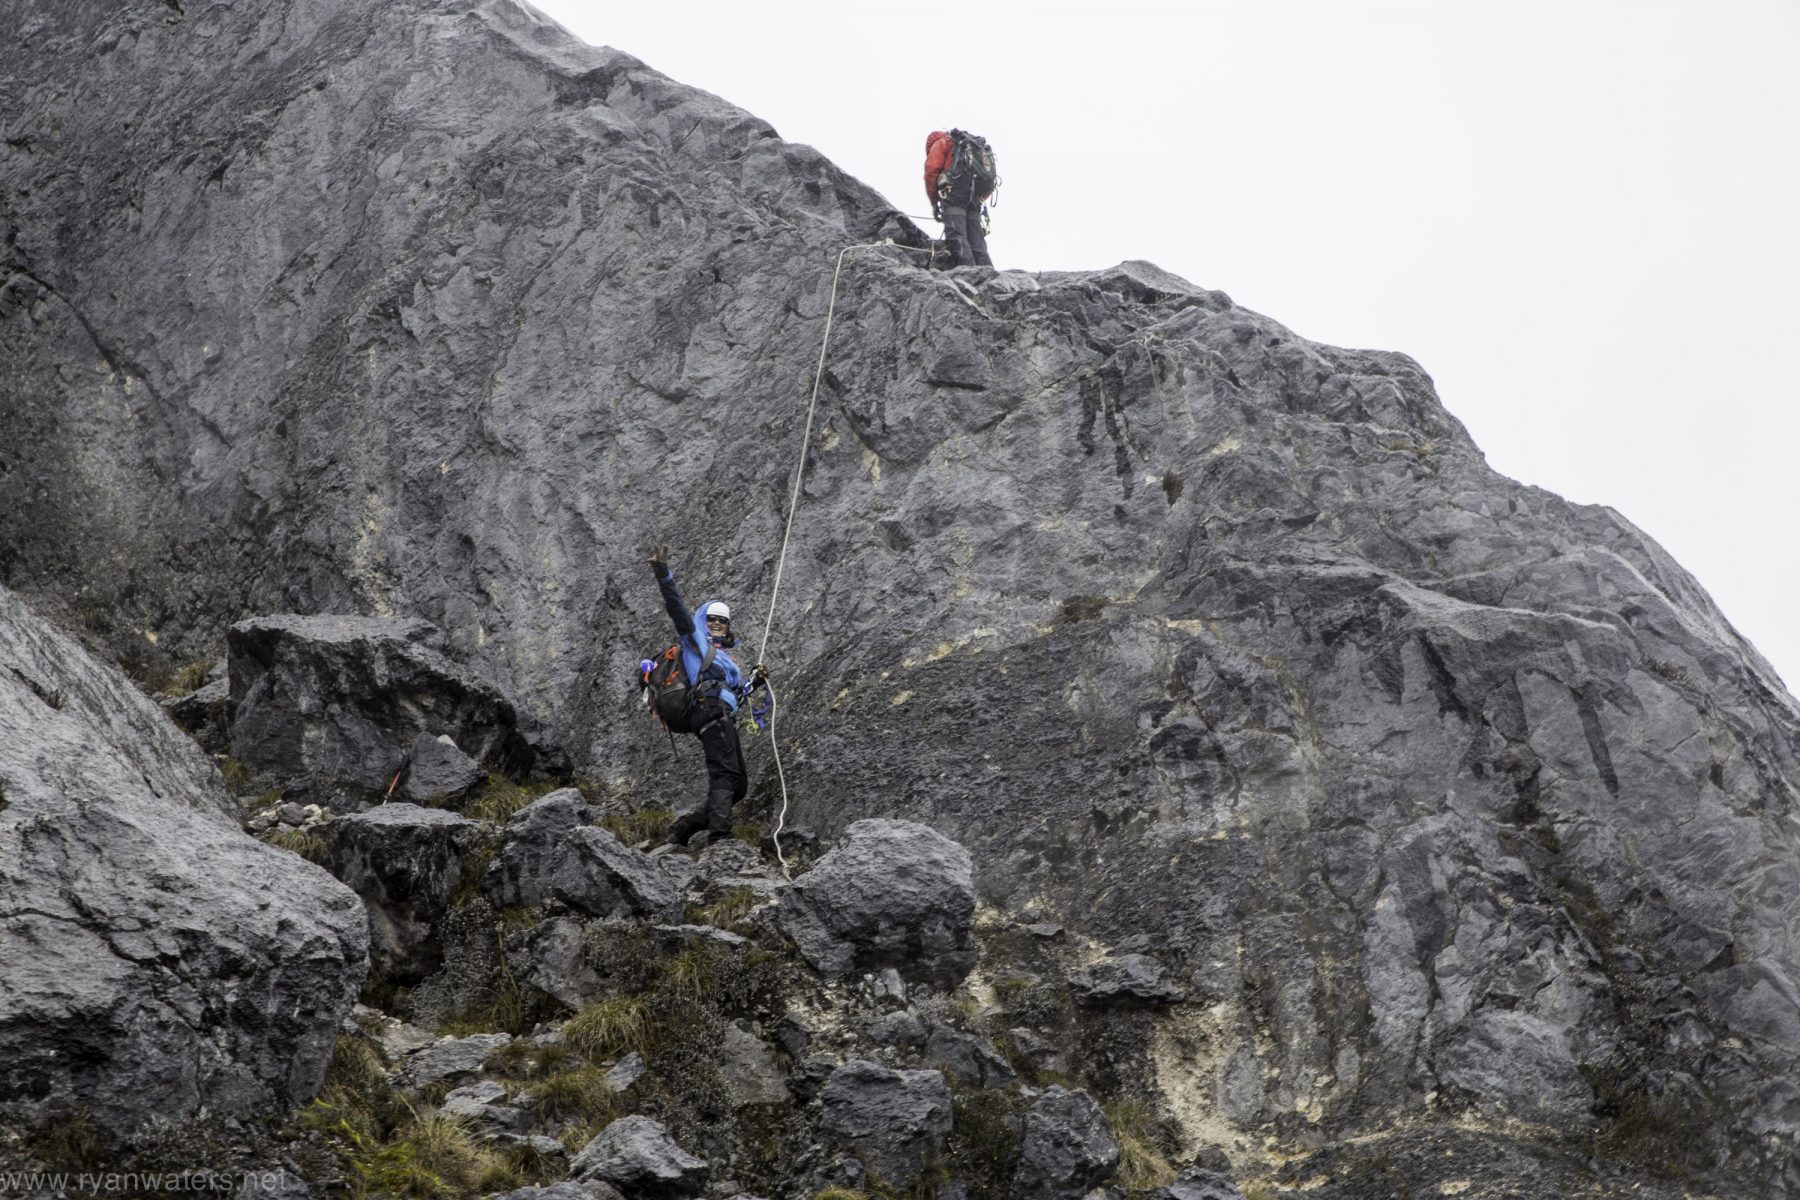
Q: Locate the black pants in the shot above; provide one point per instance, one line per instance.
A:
(962, 228)
(726, 777)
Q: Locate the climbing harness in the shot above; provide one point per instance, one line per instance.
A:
(787, 531)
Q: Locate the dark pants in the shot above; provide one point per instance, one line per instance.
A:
(962, 228)
(726, 778)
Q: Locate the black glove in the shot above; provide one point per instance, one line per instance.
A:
(759, 677)
(659, 561)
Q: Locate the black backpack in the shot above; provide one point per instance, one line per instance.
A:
(664, 687)
(972, 165)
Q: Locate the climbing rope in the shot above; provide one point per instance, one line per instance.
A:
(787, 531)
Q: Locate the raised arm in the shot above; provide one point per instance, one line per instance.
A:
(665, 580)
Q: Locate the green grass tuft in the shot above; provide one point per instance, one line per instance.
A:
(727, 911)
(304, 842)
(581, 1095)
(610, 1029)
(500, 797)
(71, 1143)
(188, 679)
(639, 825)
(1141, 1162)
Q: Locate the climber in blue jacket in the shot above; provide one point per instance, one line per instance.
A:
(716, 688)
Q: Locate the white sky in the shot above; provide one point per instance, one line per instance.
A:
(1580, 216)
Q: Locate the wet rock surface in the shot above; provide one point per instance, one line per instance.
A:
(1448, 802)
(637, 1156)
(405, 862)
(895, 1121)
(1068, 1150)
(337, 701)
(157, 959)
(889, 895)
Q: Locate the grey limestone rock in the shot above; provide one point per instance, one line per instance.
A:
(890, 894)
(749, 1068)
(157, 960)
(450, 1058)
(627, 1071)
(1067, 1149)
(437, 772)
(533, 849)
(968, 1059)
(895, 1121)
(605, 878)
(566, 1190)
(406, 863)
(1199, 1184)
(472, 1100)
(551, 957)
(1461, 801)
(902, 1028)
(1126, 979)
(636, 1155)
(337, 700)
(547, 853)
(202, 712)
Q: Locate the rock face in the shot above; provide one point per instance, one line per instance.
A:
(342, 700)
(157, 959)
(1463, 803)
(890, 894)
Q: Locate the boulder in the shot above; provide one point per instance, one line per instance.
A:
(450, 1058)
(202, 712)
(1067, 1149)
(968, 1059)
(551, 956)
(158, 961)
(1124, 981)
(889, 894)
(636, 1155)
(1195, 1183)
(547, 854)
(902, 1028)
(627, 1071)
(406, 862)
(895, 1121)
(439, 773)
(533, 850)
(484, 1103)
(566, 1190)
(602, 877)
(335, 702)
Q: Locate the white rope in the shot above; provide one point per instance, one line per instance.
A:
(787, 532)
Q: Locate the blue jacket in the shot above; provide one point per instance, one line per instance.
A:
(691, 631)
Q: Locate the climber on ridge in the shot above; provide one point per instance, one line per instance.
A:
(959, 178)
(708, 708)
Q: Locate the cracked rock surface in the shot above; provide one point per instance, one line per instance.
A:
(157, 960)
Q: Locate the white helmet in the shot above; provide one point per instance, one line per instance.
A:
(718, 608)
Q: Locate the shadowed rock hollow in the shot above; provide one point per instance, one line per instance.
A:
(1457, 810)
